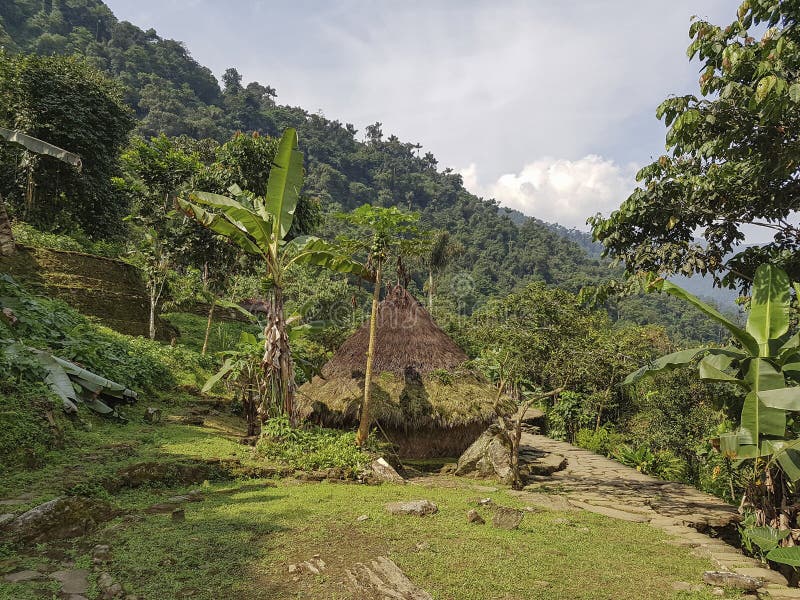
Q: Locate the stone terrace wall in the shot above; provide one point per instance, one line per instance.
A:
(109, 290)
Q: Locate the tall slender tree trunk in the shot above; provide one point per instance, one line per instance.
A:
(153, 302)
(7, 245)
(277, 362)
(430, 290)
(364, 423)
(208, 325)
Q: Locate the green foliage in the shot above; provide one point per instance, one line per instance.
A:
(600, 441)
(662, 463)
(52, 325)
(762, 367)
(547, 339)
(75, 241)
(568, 415)
(64, 102)
(24, 403)
(731, 146)
(312, 449)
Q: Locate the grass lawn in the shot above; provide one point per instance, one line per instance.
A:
(239, 541)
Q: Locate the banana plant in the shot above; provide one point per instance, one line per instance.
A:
(37, 146)
(765, 363)
(260, 227)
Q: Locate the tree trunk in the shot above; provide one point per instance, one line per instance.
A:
(208, 325)
(250, 413)
(153, 302)
(364, 423)
(430, 290)
(277, 362)
(7, 245)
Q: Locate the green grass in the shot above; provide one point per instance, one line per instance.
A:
(223, 335)
(239, 542)
(98, 448)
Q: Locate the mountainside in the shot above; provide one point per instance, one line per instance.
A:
(495, 249)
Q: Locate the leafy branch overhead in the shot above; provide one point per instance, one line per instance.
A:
(732, 159)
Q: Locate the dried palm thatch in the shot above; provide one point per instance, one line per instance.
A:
(422, 396)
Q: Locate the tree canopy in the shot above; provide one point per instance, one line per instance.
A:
(733, 158)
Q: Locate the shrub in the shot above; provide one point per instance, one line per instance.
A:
(661, 463)
(314, 448)
(600, 441)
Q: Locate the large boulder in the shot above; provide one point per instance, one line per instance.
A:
(60, 518)
(380, 471)
(488, 456)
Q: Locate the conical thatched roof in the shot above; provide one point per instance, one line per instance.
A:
(418, 380)
(406, 339)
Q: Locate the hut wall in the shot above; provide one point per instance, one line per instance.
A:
(435, 442)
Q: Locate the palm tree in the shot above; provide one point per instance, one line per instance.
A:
(260, 227)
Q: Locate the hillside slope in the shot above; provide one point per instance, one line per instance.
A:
(170, 92)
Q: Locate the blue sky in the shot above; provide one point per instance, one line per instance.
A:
(547, 106)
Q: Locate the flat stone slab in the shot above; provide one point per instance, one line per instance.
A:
(768, 575)
(382, 578)
(780, 592)
(72, 582)
(507, 518)
(614, 513)
(21, 576)
(589, 478)
(420, 508)
(737, 581)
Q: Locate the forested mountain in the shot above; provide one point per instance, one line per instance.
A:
(170, 93)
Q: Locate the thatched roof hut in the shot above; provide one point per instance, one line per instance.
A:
(423, 399)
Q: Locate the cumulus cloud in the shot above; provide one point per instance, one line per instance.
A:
(559, 190)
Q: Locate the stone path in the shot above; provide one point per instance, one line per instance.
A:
(597, 484)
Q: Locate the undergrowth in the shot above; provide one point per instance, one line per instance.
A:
(314, 448)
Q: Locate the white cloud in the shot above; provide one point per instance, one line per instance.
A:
(494, 83)
(558, 190)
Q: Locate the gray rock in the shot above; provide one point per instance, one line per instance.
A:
(6, 518)
(101, 553)
(105, 581)
(382, 578)
(412, 507)
(363, 518)
(732, 580)
(488, 456)
(21, 576)
(63, 517)
(178, 514)
(448, 468)
(152, 415)
(474, 517)
(178, 499)
(72, 582)
(507, 518)
(546, 465)
(113, 591)
(383, 472)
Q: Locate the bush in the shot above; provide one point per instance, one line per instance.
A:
(75, 242)
(661, 463)
(314, 448)
(600, 441)
(52, 325)
(568, 415)
(27, 436)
